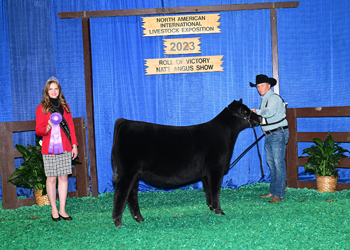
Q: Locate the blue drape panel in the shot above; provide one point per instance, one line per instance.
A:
(313, 47)
(5, 77)
(36, 44)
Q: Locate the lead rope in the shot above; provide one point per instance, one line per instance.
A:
(257, 145)
(249, 148)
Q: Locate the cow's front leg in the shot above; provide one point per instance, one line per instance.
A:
(133, 202)
(207, 192)
(214, 180)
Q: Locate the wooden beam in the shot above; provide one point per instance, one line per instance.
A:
(177, 10)
(274, 48)
(341, 111)
(23, 126)
(89, 104)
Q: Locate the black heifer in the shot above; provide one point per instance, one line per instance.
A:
(170, 156)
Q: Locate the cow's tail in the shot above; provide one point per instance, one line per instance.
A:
(115, 135)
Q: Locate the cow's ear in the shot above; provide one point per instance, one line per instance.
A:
(240, 100)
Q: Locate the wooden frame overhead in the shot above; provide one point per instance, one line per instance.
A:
(177, 10)
(86, 15)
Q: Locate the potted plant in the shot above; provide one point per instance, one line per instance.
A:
(322, 159)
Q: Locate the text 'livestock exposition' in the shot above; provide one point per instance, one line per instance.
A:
(178, 25)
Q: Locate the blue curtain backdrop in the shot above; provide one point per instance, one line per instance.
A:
(36, 44)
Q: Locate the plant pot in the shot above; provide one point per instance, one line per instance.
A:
(41, 200)
(326, 183)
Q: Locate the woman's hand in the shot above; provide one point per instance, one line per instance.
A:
(74, 151)
(49, 126)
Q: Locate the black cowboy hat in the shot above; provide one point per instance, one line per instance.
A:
(263, 78)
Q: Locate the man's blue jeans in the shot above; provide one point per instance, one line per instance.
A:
(275, 147)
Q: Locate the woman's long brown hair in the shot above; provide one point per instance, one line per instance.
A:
(45, 101)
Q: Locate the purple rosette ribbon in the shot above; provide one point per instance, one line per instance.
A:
(55, 139)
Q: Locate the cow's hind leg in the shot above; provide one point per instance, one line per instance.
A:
(121, 193)
(214, 181)
(133, 202)
(207, 192)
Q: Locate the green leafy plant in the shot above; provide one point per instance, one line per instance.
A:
(31, 173)
(324, 156)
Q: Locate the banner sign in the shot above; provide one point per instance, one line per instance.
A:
(179, 25)
(183, 65)
(182, 46)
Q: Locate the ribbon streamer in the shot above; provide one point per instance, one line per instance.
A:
(55, 146)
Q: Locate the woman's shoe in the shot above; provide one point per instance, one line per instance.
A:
(66, 218)
(56, 219)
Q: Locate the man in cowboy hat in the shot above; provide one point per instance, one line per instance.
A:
(275, 128)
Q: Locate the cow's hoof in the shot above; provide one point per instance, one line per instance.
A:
(219, 211)
(118, 224)
(139, 218)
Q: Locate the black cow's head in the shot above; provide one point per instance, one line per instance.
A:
(238, 109)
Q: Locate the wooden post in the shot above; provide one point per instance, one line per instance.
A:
(292, 150)
(7, 165)
(82, 170)
(90, 104)
(274, 48)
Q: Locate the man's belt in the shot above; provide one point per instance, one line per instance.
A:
(276, 129)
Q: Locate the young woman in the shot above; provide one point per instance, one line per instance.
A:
(57, 159)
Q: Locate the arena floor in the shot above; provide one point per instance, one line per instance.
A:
(306, 219)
